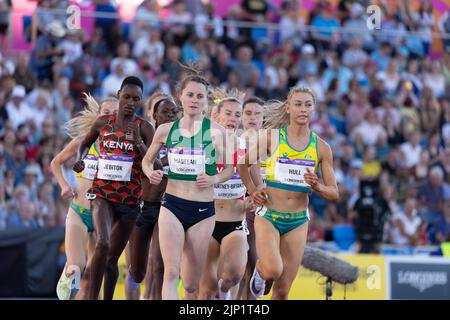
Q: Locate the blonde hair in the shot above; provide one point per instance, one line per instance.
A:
(219, 96)
(275, 115)
(82, 123)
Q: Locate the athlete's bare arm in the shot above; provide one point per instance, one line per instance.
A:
(252, 156)
(328, 190)
(88, 140)
(68, 152)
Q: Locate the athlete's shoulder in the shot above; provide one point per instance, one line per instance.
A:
(164, 129)
(166, 126)
(144, 122)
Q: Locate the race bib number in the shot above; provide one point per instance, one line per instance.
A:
(187, 160)
(115, 167)
(90, 167)
(291, 171)
(231, 189)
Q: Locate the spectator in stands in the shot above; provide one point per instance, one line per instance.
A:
(435, 79)
(23, 74)
(18, 110)
(370, 129)
(410, 151)
(275, 77)
(357, 21)
(171, 64)
(244, 66)
(21, 210)
(337, 73)
(325, 36)
(66, 111)
(409, 117)
(25, 217)
(72, 45)
(108, 23)
(357, 110)
(41, 109)
(424, 19)
(59, 91)
(434, 147)
(442, 226)
(112, 82)
(221, 66)
(388, 109)
(392, 79)
(86, 79)
(47, 205)
(444, 162)
(307, 63)
(129, 65)
(178, 25)
(371, 168)
(42, 17)
(291, 23)
(233, 35)
(147, 16)
(382, 56)
(32, 179)
(254, 11)
(406, 225)
(355, 57)
(421, 170)
(208, 24)
(47, 51)
(412, 75)
(382, 148)
(151, 45)
(432, 195)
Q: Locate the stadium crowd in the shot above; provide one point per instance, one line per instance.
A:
(383, 97)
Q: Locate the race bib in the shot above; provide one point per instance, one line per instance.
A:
(291, 171)
(115, 167)
(263, 174)
(184, 160)
(231, 189)
(90, 167)
(261, 211)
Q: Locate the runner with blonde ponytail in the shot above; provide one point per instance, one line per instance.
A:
(79, 235)
(293, 154)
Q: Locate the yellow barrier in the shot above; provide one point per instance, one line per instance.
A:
(445, 247)
(371, 284)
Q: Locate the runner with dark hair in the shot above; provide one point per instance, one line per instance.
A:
(116, 193)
